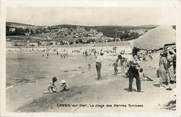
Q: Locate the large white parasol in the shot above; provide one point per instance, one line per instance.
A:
(156, 38)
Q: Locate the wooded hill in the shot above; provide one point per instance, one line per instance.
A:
(77, 31)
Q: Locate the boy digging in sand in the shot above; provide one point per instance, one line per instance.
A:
(52, 87)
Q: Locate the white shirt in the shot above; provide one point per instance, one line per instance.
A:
(99, 59)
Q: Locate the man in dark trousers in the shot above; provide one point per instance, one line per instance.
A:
(133, 72)
(99, 59)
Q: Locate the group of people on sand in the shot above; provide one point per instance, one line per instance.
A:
(167, 67)
(133, 69)
(52, 87)
(136, 71)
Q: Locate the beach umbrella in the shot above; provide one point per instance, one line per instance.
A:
(156, 38)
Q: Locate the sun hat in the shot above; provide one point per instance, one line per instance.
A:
(161, 53)
(62, 81)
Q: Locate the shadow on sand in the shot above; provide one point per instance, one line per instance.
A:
(127, 89)
(156, 85)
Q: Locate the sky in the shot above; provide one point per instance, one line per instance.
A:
(92, 15)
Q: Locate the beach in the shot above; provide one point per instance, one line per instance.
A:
(28, 76)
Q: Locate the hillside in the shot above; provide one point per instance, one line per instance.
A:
(76, 33)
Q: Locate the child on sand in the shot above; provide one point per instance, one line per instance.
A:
(115, 65)
(143, 76)
(52, 87)
(64, 86)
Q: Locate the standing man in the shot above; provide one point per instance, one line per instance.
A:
(133, 72)
(163, 69)
(135, 51)
(99, 59)
(174, 61)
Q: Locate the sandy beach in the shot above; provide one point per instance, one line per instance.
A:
(27, 86)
